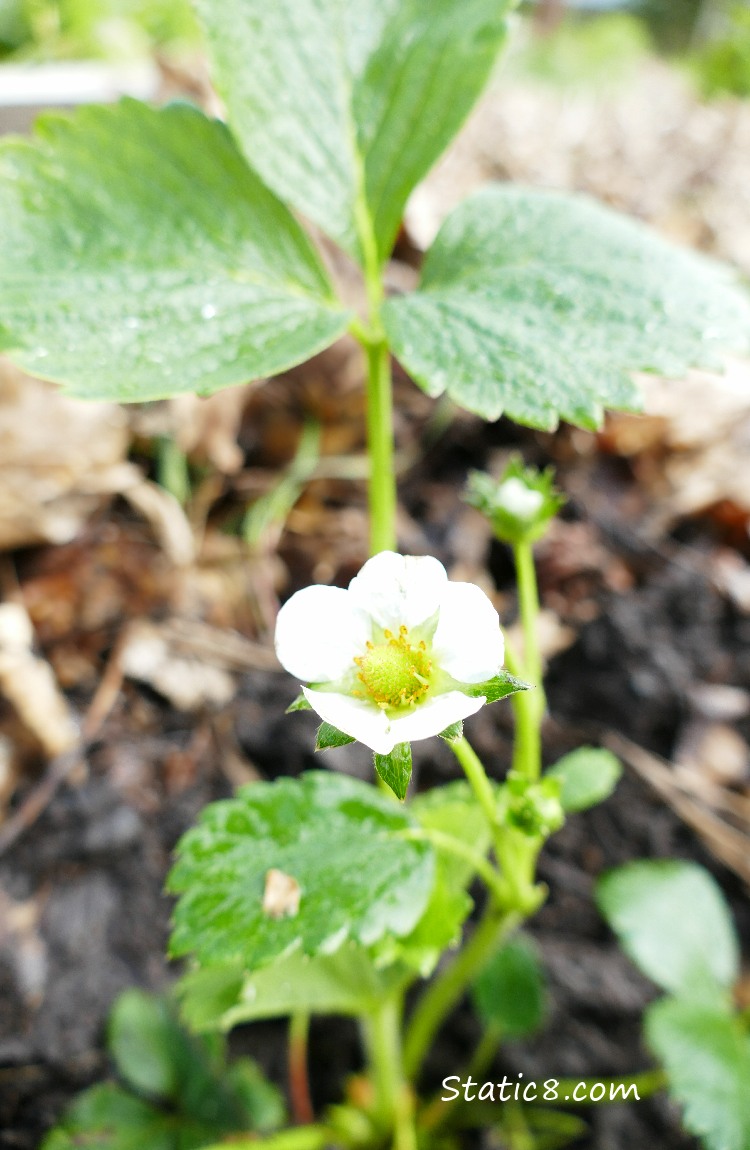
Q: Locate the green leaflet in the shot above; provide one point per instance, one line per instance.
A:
(510, 992)
(336, 837)
(141, 258)
(672, 920)
(587, 776)
(706, 1054)
(539, 305)
(343, 105)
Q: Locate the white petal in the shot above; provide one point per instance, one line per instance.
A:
(355, 717)
(399, 589)
(468, 642)
(434, 715)
(318, 633)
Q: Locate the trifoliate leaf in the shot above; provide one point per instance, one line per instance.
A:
(706, 1054)
(672, 920)
(509, 994)
(500, 687)
(395, 768)
(335, 837)
(140, 257)
(540, 305)
(342, 105)
(329, 736)
(587, 776)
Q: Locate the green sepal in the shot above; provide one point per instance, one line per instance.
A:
(533, 808)
(299, 704)
(452, 733)
(395, 768)
(587, 776)
(329, 736)
(499, 687)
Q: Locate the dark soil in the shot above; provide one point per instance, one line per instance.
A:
(89, 873)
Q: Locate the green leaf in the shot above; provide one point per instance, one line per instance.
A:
(553, 1129)
(144, 1041)
(539, 305)
(452, 733)
(509, 994)
(346, 982)
(500, 687)
(106, 1117)
(341, 104)
(395, 768)
(672, 920)
(262, 1101)
(587, 776)
(329, 736)
(140, 257)
(706, 1054)
(335, 836)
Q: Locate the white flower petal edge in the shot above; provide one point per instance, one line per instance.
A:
(399, 589)
(318, 633)
(468, 642)
(434, 716)
(355, 717)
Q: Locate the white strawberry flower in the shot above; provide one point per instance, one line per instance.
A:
(390, 660)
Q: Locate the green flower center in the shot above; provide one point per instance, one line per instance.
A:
(395, 673)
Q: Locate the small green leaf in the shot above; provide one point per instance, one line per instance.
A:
(706, 1054)
(500, 687)
(672, 920)
(263, 1102)
(509, 994)
(329, 736)
(299, 704)
(373, 91)
(587, 776)
(553, 1129)
(107, 1117)
(395, 768)
(453, 732)
(144, 1041)
(140, 258)
(539, 306)
(336, 837)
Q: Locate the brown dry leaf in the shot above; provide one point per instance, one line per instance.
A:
(189, 683)
(58, 459)
(281, 894)
(30, 686)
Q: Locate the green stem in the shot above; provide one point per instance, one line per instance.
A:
(477, 776)
(299, 1082)
(382, 489)
(393, 1101)
(529, 706)
(446, 990)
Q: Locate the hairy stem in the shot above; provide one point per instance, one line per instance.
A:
(393, 1100)
(447, 989)
(382, 489)
(529, 706)
(299, 1082)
